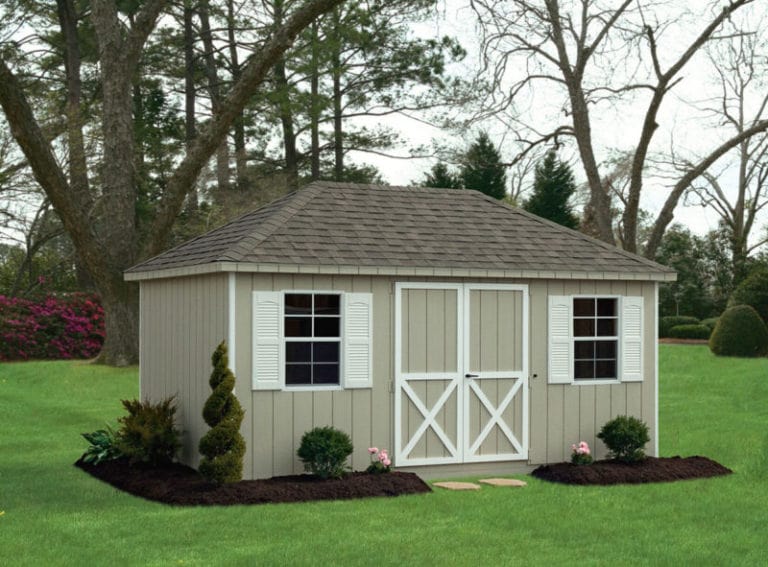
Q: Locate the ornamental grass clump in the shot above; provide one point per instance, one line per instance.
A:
(222, 447)
(324, 451)
(148, 433)
(625, 436)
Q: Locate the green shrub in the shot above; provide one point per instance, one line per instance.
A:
(104, 446)
(222, 447)
(666, 323)
(324, 450)
(710, 323)
(147, 434)
(753, 291)
(690, 332)
(739, 332)
(625, 436)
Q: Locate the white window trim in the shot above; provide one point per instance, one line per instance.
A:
(344, 381)
(620, 339)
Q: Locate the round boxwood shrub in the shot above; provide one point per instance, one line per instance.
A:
(324, 451)
(666, 323)
(625, 436)
(753, 291)
(739, 332)
(690, 332)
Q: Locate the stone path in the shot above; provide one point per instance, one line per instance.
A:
(452, 485)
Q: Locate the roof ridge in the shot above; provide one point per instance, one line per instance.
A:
(579, 234)
(294, 201)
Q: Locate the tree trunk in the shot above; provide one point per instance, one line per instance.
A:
(241, 162)
(189, 91)
(338, 135)
(121, 318)
(314, 110)
(286, 114)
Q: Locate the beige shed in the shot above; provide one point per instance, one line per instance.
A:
(464, 335)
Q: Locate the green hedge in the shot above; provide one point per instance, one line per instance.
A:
(666, 323)
(739, 332)
(690, 332)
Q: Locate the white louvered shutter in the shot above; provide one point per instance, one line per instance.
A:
(560, 339)
(632, 339)
(268, 354)
(357, 340)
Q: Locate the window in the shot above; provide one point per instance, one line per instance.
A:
(312, 331)
(595, 336)
(595, 340)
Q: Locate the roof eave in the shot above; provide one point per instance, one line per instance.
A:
(449, 272)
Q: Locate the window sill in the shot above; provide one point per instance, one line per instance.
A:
(595, 382)
(308, 388)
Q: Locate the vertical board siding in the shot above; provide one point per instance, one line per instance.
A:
(182, 321)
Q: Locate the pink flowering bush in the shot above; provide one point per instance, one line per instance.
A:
(580, 454)
(54, 327)
(380, 461)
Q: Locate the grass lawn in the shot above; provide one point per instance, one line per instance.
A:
(53, 513)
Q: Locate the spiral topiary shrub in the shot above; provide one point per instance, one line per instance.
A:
(324, 451)
(739, 332)
(222, 447)
(666, 323)
(753, 291)
(625, 436)
(690, 332)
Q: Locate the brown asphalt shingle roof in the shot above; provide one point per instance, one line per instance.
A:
(344, 224)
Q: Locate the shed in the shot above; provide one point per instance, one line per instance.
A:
(464, 335)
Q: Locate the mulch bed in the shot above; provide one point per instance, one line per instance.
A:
(671, 341)
(180, 485)
(662, 469)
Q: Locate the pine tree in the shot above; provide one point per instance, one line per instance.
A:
(222, 447)
(441, 177)
(553, 186)
(483, 170)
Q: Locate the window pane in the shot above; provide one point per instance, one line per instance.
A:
(327, 327)
(327, 304)
(326, 374)
(298, 326)
(606, 327)
(326, 352)
(605, 369)
(298, 374)
(298, 304)
(606, 307)
(583, 307)
(606, 349)
(298, 352)
(584, 349)
(584, 327)
(584, 369)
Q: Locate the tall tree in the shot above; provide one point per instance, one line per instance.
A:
(574, 46)
(118, 240)
(553, 186)
(482, 169)
(441, 177)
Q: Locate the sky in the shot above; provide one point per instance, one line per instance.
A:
(683, 128)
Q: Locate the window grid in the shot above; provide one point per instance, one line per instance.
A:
(600, 367)
(310, 339)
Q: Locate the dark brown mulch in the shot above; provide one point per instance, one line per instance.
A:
(662, 469)
(671, 341)
(182, 486)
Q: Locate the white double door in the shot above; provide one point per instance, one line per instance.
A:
(461, 373)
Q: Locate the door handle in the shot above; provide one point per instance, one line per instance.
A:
(471, 376)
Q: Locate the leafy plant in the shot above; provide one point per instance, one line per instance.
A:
(324, 450)
(104, 446)
(625, 436)
(690, 332)
(666, 323)
(380, 461)
(222, 447)
(148, 433)
(739, 332)
(710, 323)
(753, 291)
(581, 454)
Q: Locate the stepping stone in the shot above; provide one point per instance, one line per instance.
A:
(451, 485)
(503, 482)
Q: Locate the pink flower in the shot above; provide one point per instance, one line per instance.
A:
(372, 450)
(386, 462)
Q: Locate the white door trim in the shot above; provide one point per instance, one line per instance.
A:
(461, 451)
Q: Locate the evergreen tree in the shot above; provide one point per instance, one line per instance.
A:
(553, 186)
(441, 177)
(483, 170)
(222, 447)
